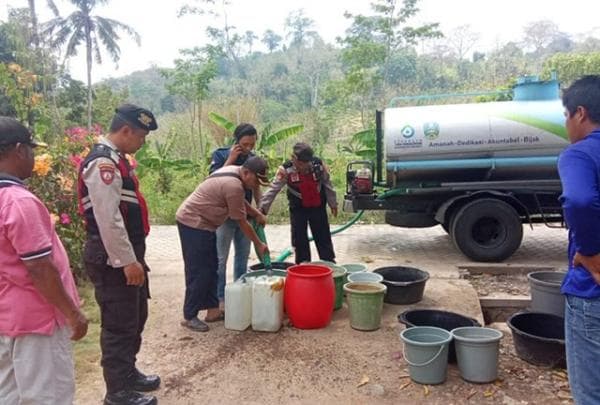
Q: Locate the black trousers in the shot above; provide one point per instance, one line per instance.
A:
(199, 248)
(316, 218)
(123, 313)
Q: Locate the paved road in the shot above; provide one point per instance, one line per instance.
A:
(379, 245)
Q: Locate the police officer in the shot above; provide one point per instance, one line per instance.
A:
(309, 191)
(116, 221)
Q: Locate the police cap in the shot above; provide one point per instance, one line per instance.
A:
(137, 116)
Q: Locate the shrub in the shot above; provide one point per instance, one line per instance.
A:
(54, 181)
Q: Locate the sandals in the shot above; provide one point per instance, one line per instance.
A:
(195, 324)
(218, 318)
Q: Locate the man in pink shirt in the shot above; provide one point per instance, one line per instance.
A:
(39, 304)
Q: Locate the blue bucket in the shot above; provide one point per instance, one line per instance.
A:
(426, 352)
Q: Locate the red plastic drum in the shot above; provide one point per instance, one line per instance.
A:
(309, 296)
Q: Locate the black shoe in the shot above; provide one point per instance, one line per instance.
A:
(138, 381)
(129, 398)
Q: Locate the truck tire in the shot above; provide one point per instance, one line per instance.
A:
(487, 230)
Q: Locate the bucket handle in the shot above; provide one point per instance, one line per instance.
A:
(422, 364)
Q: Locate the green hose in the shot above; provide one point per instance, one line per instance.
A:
(260, 232)
(288, 251)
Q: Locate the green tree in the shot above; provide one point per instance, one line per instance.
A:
(105, 100)
(538, 35)
(190, 79)
(271, 40)
(371, 42)
(71, 99)
(249, 38)
(224, 37)
(570, 66)
(299, 28)
(82, 26)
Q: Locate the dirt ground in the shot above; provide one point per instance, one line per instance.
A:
(486, 284)
(336, 364)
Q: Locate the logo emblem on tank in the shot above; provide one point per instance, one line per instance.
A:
(431, 130)
(407, 131)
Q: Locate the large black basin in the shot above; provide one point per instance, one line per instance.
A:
(539, 338)
(441, 319)
(274, 265)
(405, 285)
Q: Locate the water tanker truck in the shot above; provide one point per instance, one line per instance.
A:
(479, 170)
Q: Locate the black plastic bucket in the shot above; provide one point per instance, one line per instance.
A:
(405, 285)
(441, 319)
(539, 338)
(275, 265)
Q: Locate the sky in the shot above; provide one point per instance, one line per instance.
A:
(163, 33)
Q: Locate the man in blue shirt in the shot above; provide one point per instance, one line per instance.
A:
(579, 169)
(244, 141)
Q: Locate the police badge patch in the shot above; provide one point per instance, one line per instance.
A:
(107, 173)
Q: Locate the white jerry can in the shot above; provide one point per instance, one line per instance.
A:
(267, 303)
(238, 305)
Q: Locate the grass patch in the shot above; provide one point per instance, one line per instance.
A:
(162, 207)
(87, 350)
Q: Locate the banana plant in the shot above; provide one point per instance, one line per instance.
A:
(158, 159)
(267, 138)
(362, 144)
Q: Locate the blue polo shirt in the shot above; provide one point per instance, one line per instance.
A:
(220, 155)
(579, 169)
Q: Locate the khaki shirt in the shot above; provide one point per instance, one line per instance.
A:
(213, 201)
(105, 200)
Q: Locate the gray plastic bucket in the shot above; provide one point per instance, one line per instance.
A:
(426, 352)
(477, 353)
(545, 292)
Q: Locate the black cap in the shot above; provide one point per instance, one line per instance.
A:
(258, 166)
(137, 116)
(302, 151)
(13, 132)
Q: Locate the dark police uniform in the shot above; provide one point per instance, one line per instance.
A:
(116, 222)
(308, 195)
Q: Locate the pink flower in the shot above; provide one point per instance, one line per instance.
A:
(96, 129)
(65, 219)
(76, 134)
(76, 160)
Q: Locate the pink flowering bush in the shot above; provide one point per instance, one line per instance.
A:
(54, 181)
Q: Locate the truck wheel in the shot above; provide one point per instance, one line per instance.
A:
(487, 230)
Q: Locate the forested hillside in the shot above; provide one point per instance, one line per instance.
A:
(291, 84)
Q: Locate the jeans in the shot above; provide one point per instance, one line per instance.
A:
(200, 264)
(582, 341)
(227, 232)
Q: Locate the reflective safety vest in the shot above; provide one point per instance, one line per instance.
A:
(133, 206)
(305, 189)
